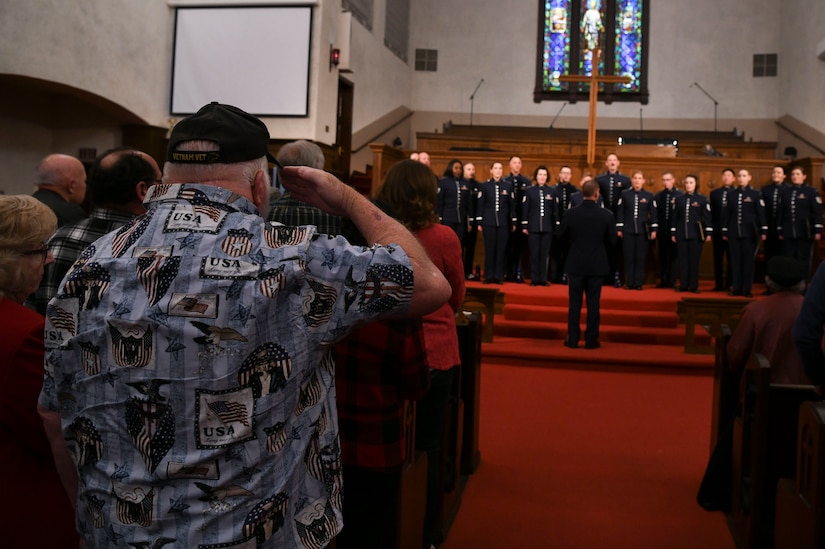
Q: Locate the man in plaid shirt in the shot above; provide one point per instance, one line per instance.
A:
(118, 182)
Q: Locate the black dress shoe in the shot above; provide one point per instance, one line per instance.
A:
(679, 290)
(734, 293)
(748, 294)
(488, 281)
(571, 345)
(717, 289)
(637, 287)
(694, 291)
(593, 345)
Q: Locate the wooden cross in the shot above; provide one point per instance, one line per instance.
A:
(594, 79)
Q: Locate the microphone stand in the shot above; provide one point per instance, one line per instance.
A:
(715, 103)
(557, 115)
(473, 98)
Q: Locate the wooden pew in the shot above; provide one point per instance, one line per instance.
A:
(710, 312)
(469, 344)
(800, 502)
(725, 387)
(483, 299)
(413, 492)
(764, 449)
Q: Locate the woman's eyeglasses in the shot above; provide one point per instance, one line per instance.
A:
(42, 251)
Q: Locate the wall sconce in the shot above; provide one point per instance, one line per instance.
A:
(334, 57)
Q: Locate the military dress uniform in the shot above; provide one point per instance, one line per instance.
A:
(799, 219)
(636, 216)
(718, 204)
(771, 196)
(453, 198)
(496, 217)
(539, 214)
(516, 242)
(691, 224)
(666, 248)
(471, 235)
(743, 223)
(560, 248)
(611, 187)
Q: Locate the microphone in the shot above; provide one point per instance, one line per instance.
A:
(557, 115)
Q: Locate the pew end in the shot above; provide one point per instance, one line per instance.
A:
(800, 501)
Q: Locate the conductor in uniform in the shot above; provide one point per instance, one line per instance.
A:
(636, 216)
(800, 218)
(496, 218)
(743, 225)
(592, 232)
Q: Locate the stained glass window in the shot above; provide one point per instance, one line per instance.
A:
(570, 34)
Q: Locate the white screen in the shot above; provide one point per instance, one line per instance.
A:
(256, 59)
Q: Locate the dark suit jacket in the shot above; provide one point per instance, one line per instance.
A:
(592, 231)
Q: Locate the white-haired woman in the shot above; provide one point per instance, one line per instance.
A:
(36, 511)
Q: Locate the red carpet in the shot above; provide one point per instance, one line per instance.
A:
(585, 459)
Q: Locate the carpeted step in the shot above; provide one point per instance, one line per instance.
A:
(624, 316)
(622, 333)
(551, 353)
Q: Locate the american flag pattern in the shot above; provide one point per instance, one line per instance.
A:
(316, 526)
(88, 284)
(157, 273)
(132, 345)
(318, 303)
(276, 236)
(310, 394)
(272, 281)
(61, 319)
(129, 234)
(228, 411)
(88, 442)
(152, 428)
(91, 358)
(94, 506)
(134, 506)
(265, 518)
(238, 242)
(266, 369)
(275, 437)
(386, 287)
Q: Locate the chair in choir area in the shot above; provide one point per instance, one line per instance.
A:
(764, 449)
(800, 501)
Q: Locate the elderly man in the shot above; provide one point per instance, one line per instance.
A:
(61, 185)
(190, 358)
(118, 182)
(290, 211)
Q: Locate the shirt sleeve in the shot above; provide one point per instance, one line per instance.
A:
(808, 329)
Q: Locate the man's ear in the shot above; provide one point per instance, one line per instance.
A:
(141, 188)
(260, 189)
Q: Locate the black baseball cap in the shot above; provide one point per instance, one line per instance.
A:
(239, 136)
(786, 271)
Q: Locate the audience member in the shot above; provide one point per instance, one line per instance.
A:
(118, 183)
(377, 368)
(453, 198)
(691, 227)
(721, 255)
(743, 224)
(295, 213)
(409, 190)
(666, 247)
(539, 215)
(190, 357)
(592, 232)
(636, 222)
(808, 330)
(495, 217)
(61, 185)
(471, 235)
(767, 324)
(35, 512)
(800, 218)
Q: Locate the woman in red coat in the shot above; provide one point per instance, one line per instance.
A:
(34, 510)
(410, 191)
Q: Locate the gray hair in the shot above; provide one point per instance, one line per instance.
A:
(198, 173)
(301, 153)
(774, 287)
